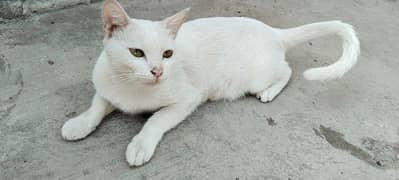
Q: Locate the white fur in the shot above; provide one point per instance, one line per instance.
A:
(351, 49)
(214, 58)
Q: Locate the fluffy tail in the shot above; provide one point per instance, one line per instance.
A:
(294, 36)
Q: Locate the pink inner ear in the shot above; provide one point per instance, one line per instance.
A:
(174, 22)
(113, 16)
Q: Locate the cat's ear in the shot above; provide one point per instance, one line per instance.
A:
(114, 16)
(173, 23)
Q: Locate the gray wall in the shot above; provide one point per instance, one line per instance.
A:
(10, 9)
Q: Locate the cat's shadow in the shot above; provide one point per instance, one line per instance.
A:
(121, 123)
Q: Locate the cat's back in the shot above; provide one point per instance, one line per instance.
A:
(221, 32)
(219, 28)
(228, 48)
(223, 23)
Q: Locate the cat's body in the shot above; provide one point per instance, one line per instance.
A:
(210, 65)
(227, 57)
(215, 58)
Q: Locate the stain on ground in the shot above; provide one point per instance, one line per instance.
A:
(70, 114)
(86, 172)
(11, 85)
(271, 121)
(382, 155)
(317, 132)
(385, 154)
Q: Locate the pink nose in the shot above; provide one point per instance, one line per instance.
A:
(156, 72)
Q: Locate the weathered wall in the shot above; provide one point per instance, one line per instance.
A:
(10, 9)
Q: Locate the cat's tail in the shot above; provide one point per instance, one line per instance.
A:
(294, 36)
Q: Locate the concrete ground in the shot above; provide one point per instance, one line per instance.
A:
(342, 129)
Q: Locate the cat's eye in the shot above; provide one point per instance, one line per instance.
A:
(136, 52)
(167, 54)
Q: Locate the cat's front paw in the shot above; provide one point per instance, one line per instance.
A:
(141, 149)
(76, 128)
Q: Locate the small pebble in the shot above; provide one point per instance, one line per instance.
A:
(379, 163)
(271, 121)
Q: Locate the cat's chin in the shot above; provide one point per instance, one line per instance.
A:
(154, 82)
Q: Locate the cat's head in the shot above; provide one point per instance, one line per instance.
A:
(140, 50)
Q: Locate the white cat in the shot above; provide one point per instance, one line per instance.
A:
(170, 68)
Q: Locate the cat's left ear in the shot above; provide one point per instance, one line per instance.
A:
(114, 16)
(173, 23)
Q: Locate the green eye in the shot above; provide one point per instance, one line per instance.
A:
(136, 52)
(167, 54)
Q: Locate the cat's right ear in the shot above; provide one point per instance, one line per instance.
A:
(114, 16)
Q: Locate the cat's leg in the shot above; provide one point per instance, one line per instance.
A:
(142, 146)
(271, 92)
(82, 125)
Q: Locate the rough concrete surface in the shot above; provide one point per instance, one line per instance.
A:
(10, 9)
(342, 129)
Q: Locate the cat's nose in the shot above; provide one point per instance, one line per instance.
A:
(157, 72)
